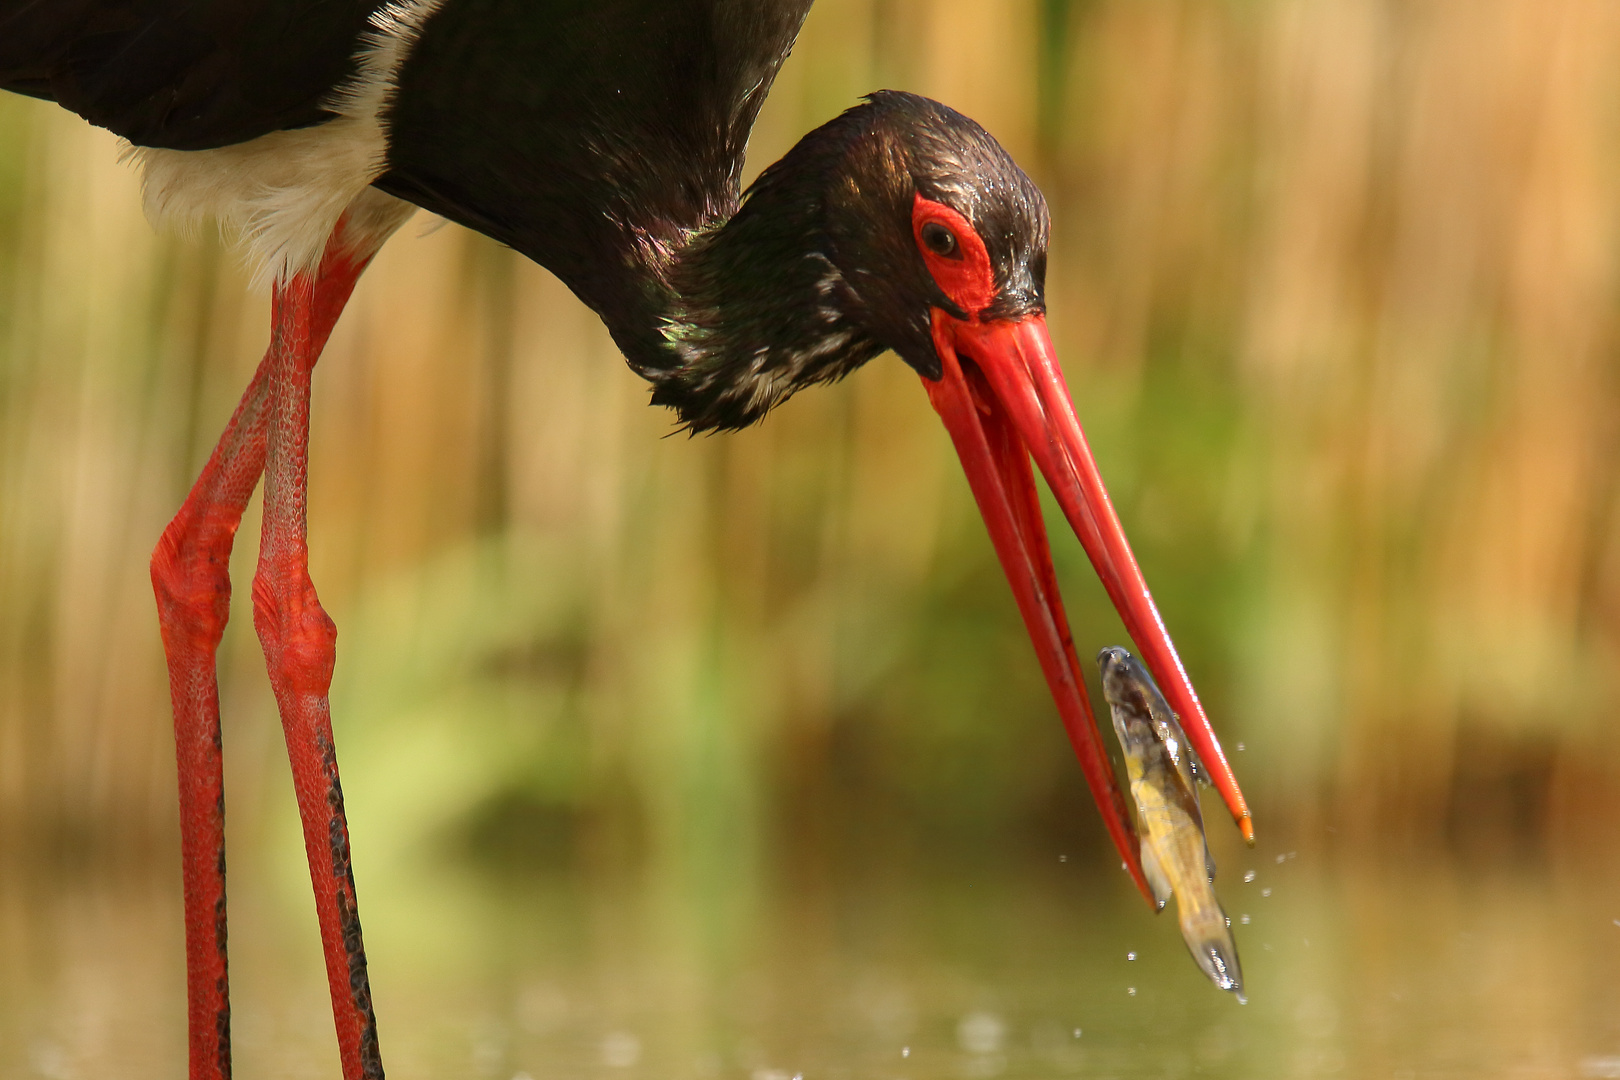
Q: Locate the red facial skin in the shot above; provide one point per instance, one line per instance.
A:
(1002, 397)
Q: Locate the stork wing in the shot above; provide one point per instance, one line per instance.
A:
(183, 75)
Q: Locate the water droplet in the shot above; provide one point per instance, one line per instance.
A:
(1131, 990)
(1240, 746)
(1244, 920)
(905, 1051)
(1077, 1033)
(1130, 956)
(1265, 892)
(1063, 858)
(1248, 876)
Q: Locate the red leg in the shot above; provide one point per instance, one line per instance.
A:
(190, 575)
(300, 647)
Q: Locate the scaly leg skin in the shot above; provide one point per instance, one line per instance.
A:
(300, 647)
(190, 575)
(190, 578)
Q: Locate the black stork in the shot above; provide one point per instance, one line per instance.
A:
(605, 141)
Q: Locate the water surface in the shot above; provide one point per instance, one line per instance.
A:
(1015, 966)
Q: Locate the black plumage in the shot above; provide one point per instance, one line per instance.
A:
(183, 75)
(633, 119)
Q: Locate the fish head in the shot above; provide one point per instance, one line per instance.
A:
(1133, 699)
(1142, 718)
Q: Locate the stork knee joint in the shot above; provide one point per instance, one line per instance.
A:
(299, 638)
(191, 578)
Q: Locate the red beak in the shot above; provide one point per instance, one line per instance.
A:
(1003, 399)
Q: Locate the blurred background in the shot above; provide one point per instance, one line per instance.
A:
(729, 756)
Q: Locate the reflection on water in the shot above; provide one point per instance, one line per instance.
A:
(1018, 968)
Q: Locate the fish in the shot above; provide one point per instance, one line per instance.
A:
(1164, 773)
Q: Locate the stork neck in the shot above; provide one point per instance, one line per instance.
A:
(747, 311)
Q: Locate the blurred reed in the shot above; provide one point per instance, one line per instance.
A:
(1336, 284)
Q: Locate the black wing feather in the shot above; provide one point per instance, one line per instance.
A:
(183, 74)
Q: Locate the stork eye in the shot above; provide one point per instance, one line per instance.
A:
(941, 241)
